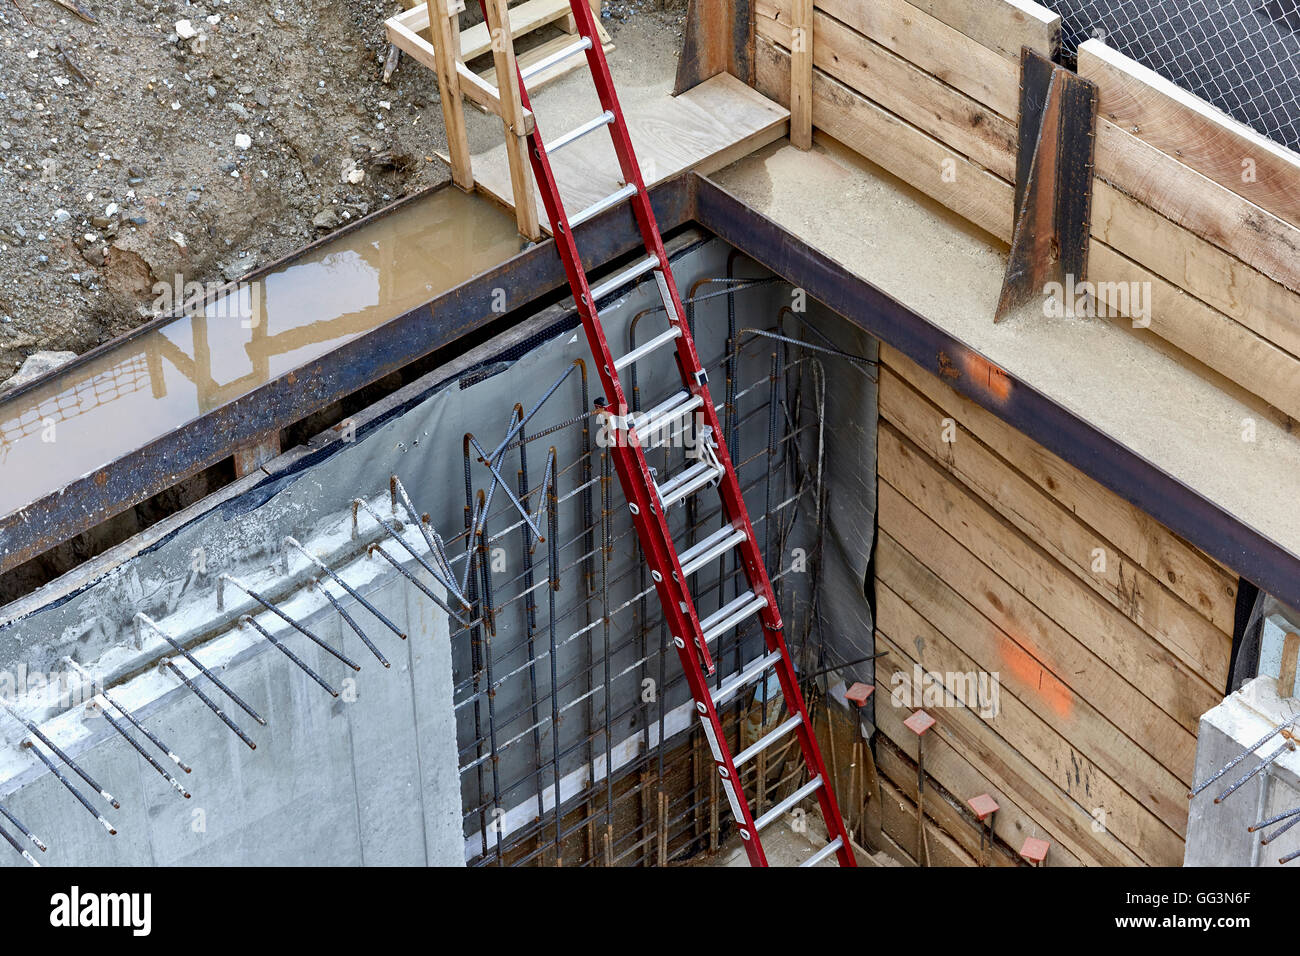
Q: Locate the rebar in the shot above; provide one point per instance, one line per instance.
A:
(36, 841)
(211, 704)
(352, 592)
(184, 652)
(130, 717)
(54, 748)
(274, 609)
(302, 665)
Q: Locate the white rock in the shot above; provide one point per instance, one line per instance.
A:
(37, 364)
(214, 19)
(186, 30)
(111, 209)
(243, 140)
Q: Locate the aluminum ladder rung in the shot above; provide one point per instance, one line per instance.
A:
(635, 271)
(766, 741)
(573, 135)
(687, 483)
(745, 677)
(714, 546)
(788, 802)
(652, 431)
(596, 208)
(559, 56)
(641, 351)
(824, 852)
(731, 614)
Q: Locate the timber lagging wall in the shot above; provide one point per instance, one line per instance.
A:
(1197, 209)
(1108, 634)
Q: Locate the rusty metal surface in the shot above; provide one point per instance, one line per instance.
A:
(718, 37)
(1054, 171)
(678, 202)
(531, 276)
(1203, 522)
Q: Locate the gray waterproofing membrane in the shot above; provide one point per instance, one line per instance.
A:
(371, 781)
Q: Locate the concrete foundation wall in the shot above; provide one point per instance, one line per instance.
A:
(1216, 832)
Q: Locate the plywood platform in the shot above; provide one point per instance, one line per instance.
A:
(704, 129)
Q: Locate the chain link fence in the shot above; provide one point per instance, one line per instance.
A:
(1241, 55)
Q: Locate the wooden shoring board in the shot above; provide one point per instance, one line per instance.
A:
(1186, 127)
(1001, 25)
(705, 128)
(1147, 556)
(1233, 350)
(918, 158)
(1118, 680)
(910, 93)
(944, 53)
(1146, 703)
(1016, 725)
(952, 772)
(1005, 765)
(1178, 192)
(1055, 587)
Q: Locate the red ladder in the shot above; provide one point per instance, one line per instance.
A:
(649, 501)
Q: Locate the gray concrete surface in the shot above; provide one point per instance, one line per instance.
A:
(1216, 832)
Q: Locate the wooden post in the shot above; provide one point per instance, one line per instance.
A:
(444, 28)
(1290, 653)
(801, 74)
(512, 118)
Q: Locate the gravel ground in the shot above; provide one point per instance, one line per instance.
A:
(199, 139)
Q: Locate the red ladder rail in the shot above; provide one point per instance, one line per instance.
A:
(649, 502)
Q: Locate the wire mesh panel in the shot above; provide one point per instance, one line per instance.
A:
(1243, 56)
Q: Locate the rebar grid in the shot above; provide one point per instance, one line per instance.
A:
(645, 811)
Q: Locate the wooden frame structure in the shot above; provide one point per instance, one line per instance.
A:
(448, 50)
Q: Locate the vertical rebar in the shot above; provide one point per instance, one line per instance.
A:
(553, 585)
(475, 638)
(530, 609)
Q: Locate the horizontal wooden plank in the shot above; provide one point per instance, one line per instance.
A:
(956, 821)
(1054, 588)
(1181, 194)
(908, 91)
(1222, 281)
(1154, 717)
(898, 821)
(1001, 25)
(950, 769)
(475, 41)
(1066, 819)
(1150, 614)
(1055, 695)
(1184, 126)
(921, 40)
(1133, 817)
(1207, 335)
(914, 156)
(1106, 520)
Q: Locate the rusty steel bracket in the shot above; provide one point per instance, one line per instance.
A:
(1054, 170)
(718, 37)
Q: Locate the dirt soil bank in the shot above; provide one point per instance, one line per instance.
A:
(201, 139)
